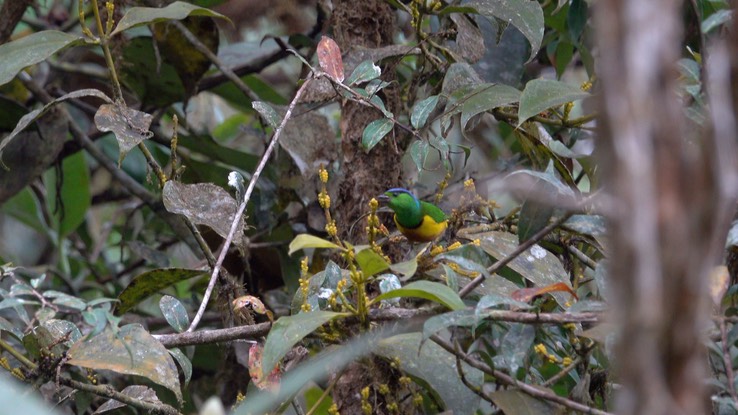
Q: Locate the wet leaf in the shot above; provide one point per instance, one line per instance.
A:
(175, 313)
(375, 132)
(514, 347)
(419, 152)
(542, 94)
(458, 318)
(536, 264)
(268, 113)
(129, 126)
(428, 290)
(534, 216)
(132, 351)
(441, 375)
(329, 58)
(287, 331)
(365, 71)
(422, 110)
(527, 294)
(138, 16)
(32, 49)
(204, 204)
(140, 392)
(150, 282)
(304, 241)
(592, 225)
(469, 38)
(525, 15)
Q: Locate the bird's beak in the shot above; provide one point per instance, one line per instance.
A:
(383, 198)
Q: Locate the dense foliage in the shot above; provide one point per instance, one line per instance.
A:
(174, 174)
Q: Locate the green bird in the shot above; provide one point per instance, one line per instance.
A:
(419, 221)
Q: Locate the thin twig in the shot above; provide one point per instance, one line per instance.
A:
(109, 392)
(514, 254)
(555, 378)
(325, 394)
(375, 315)
(18, 355)
(242, 206)
(506, 379)
(582, 257)
(214, 59)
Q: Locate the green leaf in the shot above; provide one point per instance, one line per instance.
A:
(715, 20)
(32, 49)
(131, 351)
(150, 282)
(375, 131)
(24, 208)
(487, 97)
(287, 331)
(514, 401)
(139, 16)
(542, 94)
(525, 15)
(371, 262)
(365, 71)
(592, 225)
(75, 193)
(184, 363)
(419, 152)
(534, 216)
(32, 116)
(576, 19)
(174, 312)
(303, 241)
(406, 268)
(429, 290)
(422, 110)
(514, 346)
(268, 113)
(435, 366)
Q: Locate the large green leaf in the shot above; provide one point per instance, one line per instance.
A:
(371, 262)
(429, 290)
(486, 97)
(525, 15)
(32, 49)
(132, 351)
(304, 240)
(287, 331)
(422, 110)
(75, 193)
(437, 368)
(139, 16)
(150, 282)
(375, 132)
(542, 94)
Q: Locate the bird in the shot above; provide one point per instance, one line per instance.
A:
(418, 221)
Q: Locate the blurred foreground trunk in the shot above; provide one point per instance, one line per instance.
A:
(666, 180)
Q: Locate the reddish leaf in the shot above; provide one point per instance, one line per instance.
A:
(527, 294)
(270, 382)
(329, 57)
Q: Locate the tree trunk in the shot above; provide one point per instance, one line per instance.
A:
(664, 182)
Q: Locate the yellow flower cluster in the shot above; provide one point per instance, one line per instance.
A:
(331, 228)
(540, 348)
(323, 174)
(324, 199)
(333, 409)
(366, 408)
(586, 86)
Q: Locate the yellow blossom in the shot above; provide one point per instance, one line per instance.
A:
(323, 174)
(566, 361)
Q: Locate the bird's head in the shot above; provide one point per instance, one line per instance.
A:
(399, 199)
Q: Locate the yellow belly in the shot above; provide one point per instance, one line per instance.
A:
(428, 230)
